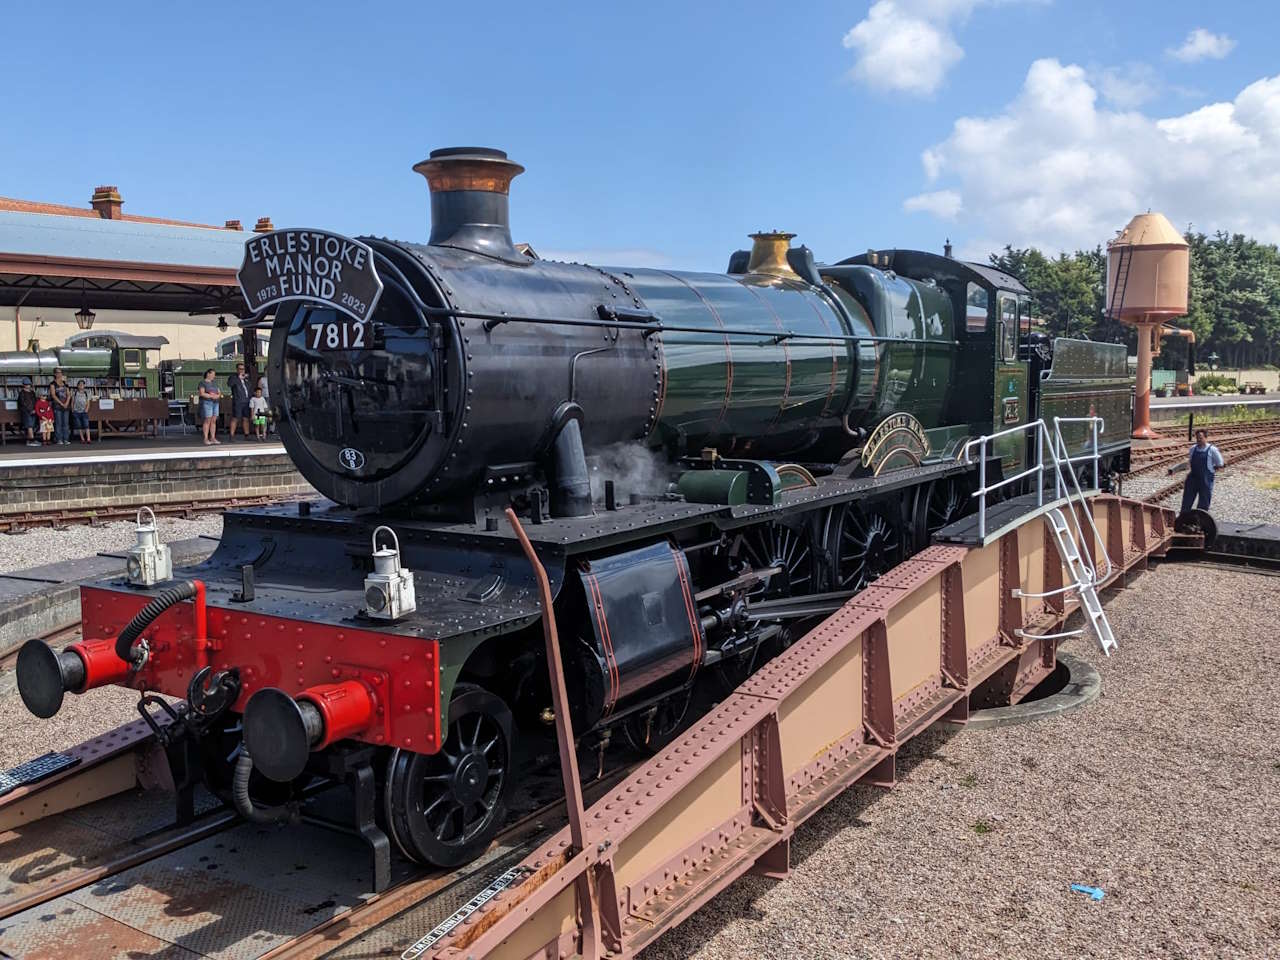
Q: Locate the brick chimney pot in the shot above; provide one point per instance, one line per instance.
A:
(108, 203)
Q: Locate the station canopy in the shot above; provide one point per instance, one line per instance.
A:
(60, 256)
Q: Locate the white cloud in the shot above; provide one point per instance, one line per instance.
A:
(1057, 170)
(1202, 45)
(945, 204)
(908, 46)
(1129, 86)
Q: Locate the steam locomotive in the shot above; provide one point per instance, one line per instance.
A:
(704, 463)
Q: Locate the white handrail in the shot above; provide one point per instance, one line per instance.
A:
(1058, 455)
(1062, 453)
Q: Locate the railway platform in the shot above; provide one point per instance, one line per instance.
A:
(110, 479)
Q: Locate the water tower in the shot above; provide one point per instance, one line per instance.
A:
(1147, 276)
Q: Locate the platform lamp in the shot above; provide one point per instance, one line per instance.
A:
(222, 324)
(84, 316)
(1213, 360)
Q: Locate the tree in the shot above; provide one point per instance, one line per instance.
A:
(1233, 305)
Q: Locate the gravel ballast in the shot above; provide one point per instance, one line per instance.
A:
(1163, 793)
(41, 545)
(1244, 492)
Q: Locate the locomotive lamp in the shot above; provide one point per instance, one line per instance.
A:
(149, 561)
(388, 591)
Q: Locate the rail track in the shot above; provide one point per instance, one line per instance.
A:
(1236, 440)
(42, 866)
(1239, 454)
(15, 523)
(1238, 444)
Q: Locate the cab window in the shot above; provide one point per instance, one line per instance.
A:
(975, 314)
(1008, 329)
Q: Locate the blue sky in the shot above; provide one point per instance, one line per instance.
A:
(662, 132)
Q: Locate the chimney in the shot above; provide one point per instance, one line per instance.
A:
(469, 200)
(263, 225)
(233, 225)
(769, 255)
(107, 201)
(946, 248)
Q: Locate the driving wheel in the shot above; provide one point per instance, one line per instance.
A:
(864, 543)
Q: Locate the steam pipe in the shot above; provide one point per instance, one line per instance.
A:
(571, 489)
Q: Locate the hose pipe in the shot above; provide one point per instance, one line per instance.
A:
(147, 615)
(244, 803)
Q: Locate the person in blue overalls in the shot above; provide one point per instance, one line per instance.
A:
(1204, 463)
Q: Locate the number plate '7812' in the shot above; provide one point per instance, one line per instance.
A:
(339, 335)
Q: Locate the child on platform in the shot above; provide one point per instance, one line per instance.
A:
(44, 413)
(258, 410)
(80, 411)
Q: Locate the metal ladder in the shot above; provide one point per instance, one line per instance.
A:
(1083, 576)
(1116, 301)
(1052, 455)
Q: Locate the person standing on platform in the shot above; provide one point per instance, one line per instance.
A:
(258, 405)
(1204, 462)
(266, 395)
(210, 395)
(80, 412)
(240, 392)
(60, 397)
(27, 411)
(44, 413)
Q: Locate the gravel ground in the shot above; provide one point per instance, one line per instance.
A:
(1240, 493)
(1163, 793)
(41, 545)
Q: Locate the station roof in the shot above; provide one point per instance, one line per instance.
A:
(99, 257)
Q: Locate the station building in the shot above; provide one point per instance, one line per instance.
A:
(67, 270)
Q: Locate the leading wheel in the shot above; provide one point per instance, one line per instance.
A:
(444, 808)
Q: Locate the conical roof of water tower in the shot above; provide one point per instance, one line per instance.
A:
(1150, 230)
